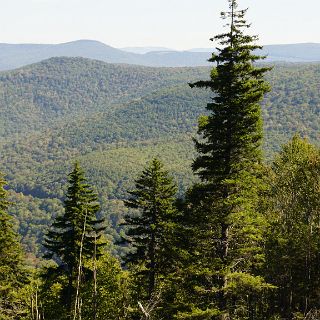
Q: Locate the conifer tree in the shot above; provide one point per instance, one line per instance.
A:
(73, 235)
(224, 220)
(150, 232)
(13, 275)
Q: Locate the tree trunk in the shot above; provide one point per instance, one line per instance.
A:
(152, 272)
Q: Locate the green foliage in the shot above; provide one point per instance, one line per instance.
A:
(67, 109)
(81, 207)
(13, 273)
(198, 314)
(113, 296)
(293, 244)
(75, 235)
(31, 217)
(293, 105)
(224, 206)
(150, 232)
(222, 258)
(112, 292)
(51, 293)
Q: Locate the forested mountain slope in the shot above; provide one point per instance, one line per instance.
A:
(53, 90)
(114, 118)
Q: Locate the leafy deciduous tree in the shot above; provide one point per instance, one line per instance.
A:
(293, 244)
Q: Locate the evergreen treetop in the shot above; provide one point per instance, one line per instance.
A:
(232, 133)
(150, 231)
(222, 210)
(81, 208)
(74, 237)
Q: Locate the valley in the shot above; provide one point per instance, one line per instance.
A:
(113, 119)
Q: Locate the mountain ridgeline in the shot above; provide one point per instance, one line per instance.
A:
(17, 55)
(113, 119)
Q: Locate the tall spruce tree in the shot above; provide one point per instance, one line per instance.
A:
(13, 275)
(150, 232)
(74, 235)
(223, 215)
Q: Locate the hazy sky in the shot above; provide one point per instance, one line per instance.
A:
(179, 24)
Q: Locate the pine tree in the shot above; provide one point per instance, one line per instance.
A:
(150, 233)
(73, 236)
(224, 220)
(13, 275)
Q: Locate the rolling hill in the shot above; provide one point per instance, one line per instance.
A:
(114, 118)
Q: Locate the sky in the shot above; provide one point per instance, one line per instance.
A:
(177, 24)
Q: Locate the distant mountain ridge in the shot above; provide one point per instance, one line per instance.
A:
(13, 56)
(143, 50)
(296, 52)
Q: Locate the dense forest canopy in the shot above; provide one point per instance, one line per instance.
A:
(65, 109)
(134, 201)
